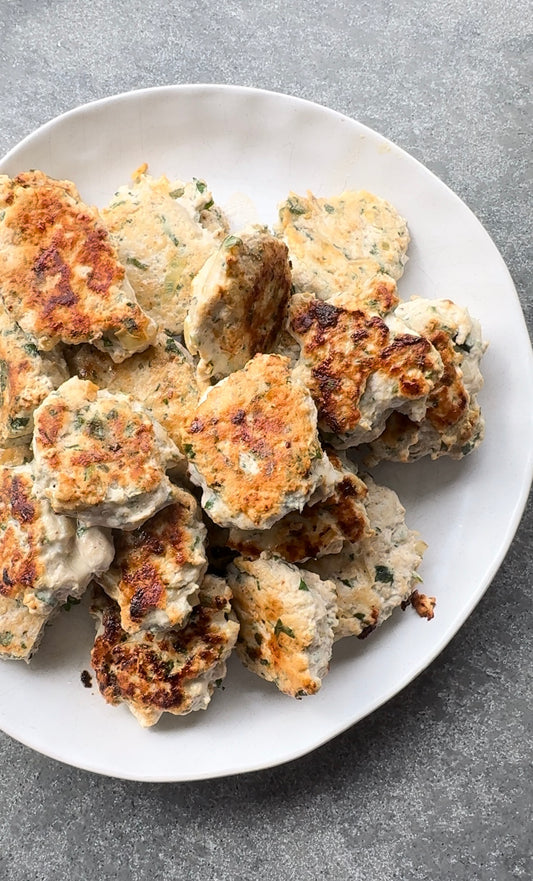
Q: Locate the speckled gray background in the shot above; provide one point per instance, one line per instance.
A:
(437, 784)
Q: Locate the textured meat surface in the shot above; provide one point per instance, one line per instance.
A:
(253, 446)
(175, 671)
(100, 456)
(60, 276)
(158, 567)
(358, 370)
(287, 620)
(238, 303)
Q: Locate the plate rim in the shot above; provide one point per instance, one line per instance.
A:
(513, 521)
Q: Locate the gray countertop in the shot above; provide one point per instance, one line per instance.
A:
(437, 783)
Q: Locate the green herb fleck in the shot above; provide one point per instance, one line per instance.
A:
(171, 346)
(6, 638)
(384, 574)
(282, 628)
(303, 585)
(188, 449)
(264, 662)
(295, 207)
(132, 261)
(209, 504)
(31, 349)
(329, 208)
(4, 375)
(229, 241)
(177, 193)
(19, 422)
(71, 601)
(201, 186)
(96, 428)
(208, 205)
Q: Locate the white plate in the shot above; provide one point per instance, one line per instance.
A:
(263, 144)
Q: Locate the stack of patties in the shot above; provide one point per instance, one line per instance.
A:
(173, 400)
(99, 462)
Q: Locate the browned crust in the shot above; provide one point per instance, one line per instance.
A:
(46, 232)
(20, 559)
(153, 673)
(141, 556)
(258, 411)
(85, 459)
(343, 348)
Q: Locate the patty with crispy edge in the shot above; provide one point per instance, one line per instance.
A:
(100, 457)
(44, 557)
(162, 378)
(339, 244)
(359, 368)
(27, 376)
(253, 446)
(156, 227)
(319, 529)
(378, 573)
(238, 302)
(60, 276)
(175, 671)
(453, 424)
(158, 568)
(287, 620)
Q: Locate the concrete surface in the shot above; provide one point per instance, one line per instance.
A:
(437, 784)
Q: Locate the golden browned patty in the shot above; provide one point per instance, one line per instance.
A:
(253, 446)
(27, 376)
(339, 244)
(162, 378)
(60, 276)
(318, 530)
(453, 424)
(157, 227)
(158, 568)
(100, 456)
(175, 671)
(358, 370)
(43, 556)
(238, 302)
(287, 619)
(377, 574)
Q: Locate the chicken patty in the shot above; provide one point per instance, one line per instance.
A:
(359, 368)
(100, 457)
(156, 227)
(339, 244)
(375, 575)
(238, 303)
(319, 529)
(27, 376)
(453, 424)
(60, 276)
(254, 449)
(45, 558)
(158, 568)
(287, 620)
(162, 379)
(175, 671)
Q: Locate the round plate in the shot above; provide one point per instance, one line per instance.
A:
(261, 144)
